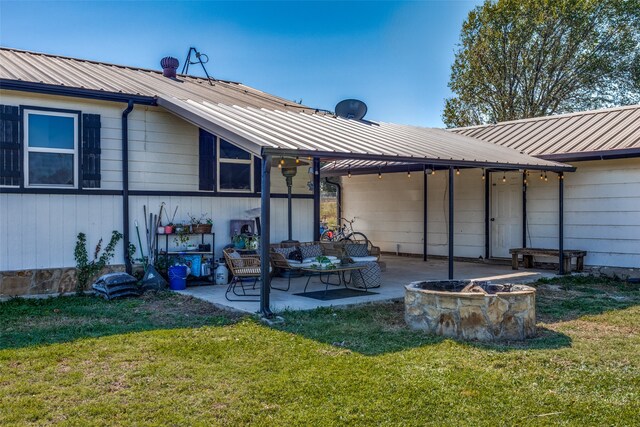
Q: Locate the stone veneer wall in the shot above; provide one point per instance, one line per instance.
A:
(45, 281)
(500, 316)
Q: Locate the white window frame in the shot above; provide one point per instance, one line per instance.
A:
(220, 159)
(27, 149)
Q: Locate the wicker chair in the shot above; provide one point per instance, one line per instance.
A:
(280, 263)
(242, 267)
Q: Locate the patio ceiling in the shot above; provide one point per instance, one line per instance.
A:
(324, 135)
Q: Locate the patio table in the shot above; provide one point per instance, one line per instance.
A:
(338, 270)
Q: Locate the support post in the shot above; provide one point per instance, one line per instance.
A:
(561, 222)
(424, 216)
(289, 210)
(316, 199)
(487, 213)
(524, 209)
(451, 176)
(265, 237)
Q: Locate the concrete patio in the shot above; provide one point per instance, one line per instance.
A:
(400, 272)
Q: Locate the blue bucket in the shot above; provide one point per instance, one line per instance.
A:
(178, 277)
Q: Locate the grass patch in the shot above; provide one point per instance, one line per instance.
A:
(27, 322)
(168, 360)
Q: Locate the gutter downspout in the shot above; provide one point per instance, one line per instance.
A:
(125, 183)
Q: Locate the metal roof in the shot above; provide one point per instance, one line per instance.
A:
(30, 67)
(262, 123)
(565, 136)
(290, 133)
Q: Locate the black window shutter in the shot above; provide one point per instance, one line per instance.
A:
(207, 161)
(90, 151)
(10, 146)
(257, 174)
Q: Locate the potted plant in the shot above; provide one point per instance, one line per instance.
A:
(182, 236)
(202, 224)
(324, 263)
(252, 242)
(238, 241)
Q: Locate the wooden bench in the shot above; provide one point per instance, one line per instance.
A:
(529, 253)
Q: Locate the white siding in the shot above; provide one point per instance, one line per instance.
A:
(601, 211)
(39, 230)
(390, 211)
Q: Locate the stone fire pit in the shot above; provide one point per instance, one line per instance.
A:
(471, 310)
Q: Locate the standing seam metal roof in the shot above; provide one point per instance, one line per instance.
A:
(588, 131)
(261, 123)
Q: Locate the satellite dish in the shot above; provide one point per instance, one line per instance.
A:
(351, 109)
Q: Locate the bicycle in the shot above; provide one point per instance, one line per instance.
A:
(344, 233)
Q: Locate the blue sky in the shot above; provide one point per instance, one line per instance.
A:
(395, 56)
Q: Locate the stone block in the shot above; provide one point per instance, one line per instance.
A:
(16, 283)
(473, 324)
(67, 281)
(447, 325)
(447, 302)
(512, 328)
(496, 309)
(46, 281)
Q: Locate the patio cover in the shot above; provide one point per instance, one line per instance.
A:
(264, 131)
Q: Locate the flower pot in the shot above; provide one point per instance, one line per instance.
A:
(168, 229)
(202, 228)
(160, 230)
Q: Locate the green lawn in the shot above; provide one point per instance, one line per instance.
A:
(172, 360)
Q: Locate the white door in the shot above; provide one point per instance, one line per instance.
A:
(506, 213)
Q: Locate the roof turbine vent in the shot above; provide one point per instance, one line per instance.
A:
(169, 66)
(351, 109)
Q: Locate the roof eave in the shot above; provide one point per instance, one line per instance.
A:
(75, 92)
(623, 153)
(421, 161)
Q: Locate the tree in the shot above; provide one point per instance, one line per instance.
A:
(530, 58)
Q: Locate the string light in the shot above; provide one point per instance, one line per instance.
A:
(483, 174)
(349, 171)
(282, 160)
(408, 174)
(545, 176)
(504, 177)
(457, 171)
(433, 171)
(297, 159)
(379, 174)
(541, 176)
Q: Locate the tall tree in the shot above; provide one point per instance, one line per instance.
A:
(530, 58)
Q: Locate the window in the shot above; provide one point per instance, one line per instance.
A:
(235, 168)
(51, 149)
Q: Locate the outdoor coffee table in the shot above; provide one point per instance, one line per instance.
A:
(338, 270)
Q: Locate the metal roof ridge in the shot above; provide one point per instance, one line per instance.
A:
(549, 117)
(110, 64)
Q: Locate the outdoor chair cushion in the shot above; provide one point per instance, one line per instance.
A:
(236, 255)
(364, 258)
(299, 264)
(372, 276)
(356, 250)
(285, 252)
(311, 251)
